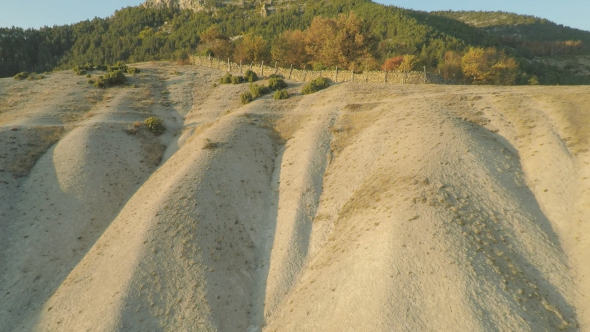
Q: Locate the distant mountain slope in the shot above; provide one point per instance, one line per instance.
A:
(525, 27)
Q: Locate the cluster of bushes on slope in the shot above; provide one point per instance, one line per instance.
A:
(275, 83)
(249, 76)
(316, 85)
(115, 74)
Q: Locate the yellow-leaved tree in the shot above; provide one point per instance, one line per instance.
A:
(252, 48)
(408, 63)
(489, 66)
(344, 42)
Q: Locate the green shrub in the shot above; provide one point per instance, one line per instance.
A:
(229, 79)
(35, 76)
(258, 90)
(315, 85)
(237, 79)
(155, 125)
(22, 75)
(250, 76)
(226, 79)
(111, 78)
(281, 94)
(246, 98)
(30, 76)
(276, 83)
(121, 66)
(79, 71)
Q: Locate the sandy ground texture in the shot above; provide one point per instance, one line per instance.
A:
(359, 208)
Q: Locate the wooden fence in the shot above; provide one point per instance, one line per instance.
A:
(390, 77)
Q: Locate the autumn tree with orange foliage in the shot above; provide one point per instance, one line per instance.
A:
(215, 43)
(393, 63)
(289, 49)
(344, 42)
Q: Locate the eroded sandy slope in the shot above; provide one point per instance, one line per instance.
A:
(359, 208)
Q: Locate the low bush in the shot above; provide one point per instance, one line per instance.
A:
(155, 125)
(30, 76)
(237, 79)
(22, 75)
(250, 76)
(229, 79)
(225, 79)
(111, 78)
(315, 85)
(276, 83)
(246, 98)
(281, 94)
(258, 90)
(133, 70)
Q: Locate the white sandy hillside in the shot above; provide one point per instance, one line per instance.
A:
(358, 208)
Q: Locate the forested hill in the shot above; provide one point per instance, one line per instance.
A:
(469, 47)
(513, 29)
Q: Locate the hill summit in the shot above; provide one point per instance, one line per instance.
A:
(196, 5)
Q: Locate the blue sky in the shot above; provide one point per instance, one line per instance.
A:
(38, 13)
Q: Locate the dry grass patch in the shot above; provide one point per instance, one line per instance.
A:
(28, 145)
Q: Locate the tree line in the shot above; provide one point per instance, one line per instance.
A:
(350, 34)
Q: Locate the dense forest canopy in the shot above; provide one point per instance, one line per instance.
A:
(356, 34)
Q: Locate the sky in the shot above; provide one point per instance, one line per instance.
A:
(39, 13)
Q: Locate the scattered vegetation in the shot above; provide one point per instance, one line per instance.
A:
(246, 98)
(281, 94)
(110, 79)
(210, 145)
(316, 85)
(229, 79)
(276, 83)
(250, 76)
(133, 128)
(258, 90)
(155, 125)
(30, 76)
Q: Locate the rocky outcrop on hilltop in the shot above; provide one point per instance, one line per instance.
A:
(195, 5)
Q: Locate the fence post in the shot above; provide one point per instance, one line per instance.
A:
(241, 67)
(304, 73)
(210, 61)
(352, 76)
(336, 75)
(276, 70)
(251, 64)
(424, 74)
(385, 81)
(290, 71)
(228, 65)
(262, 69)
(366, 76)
